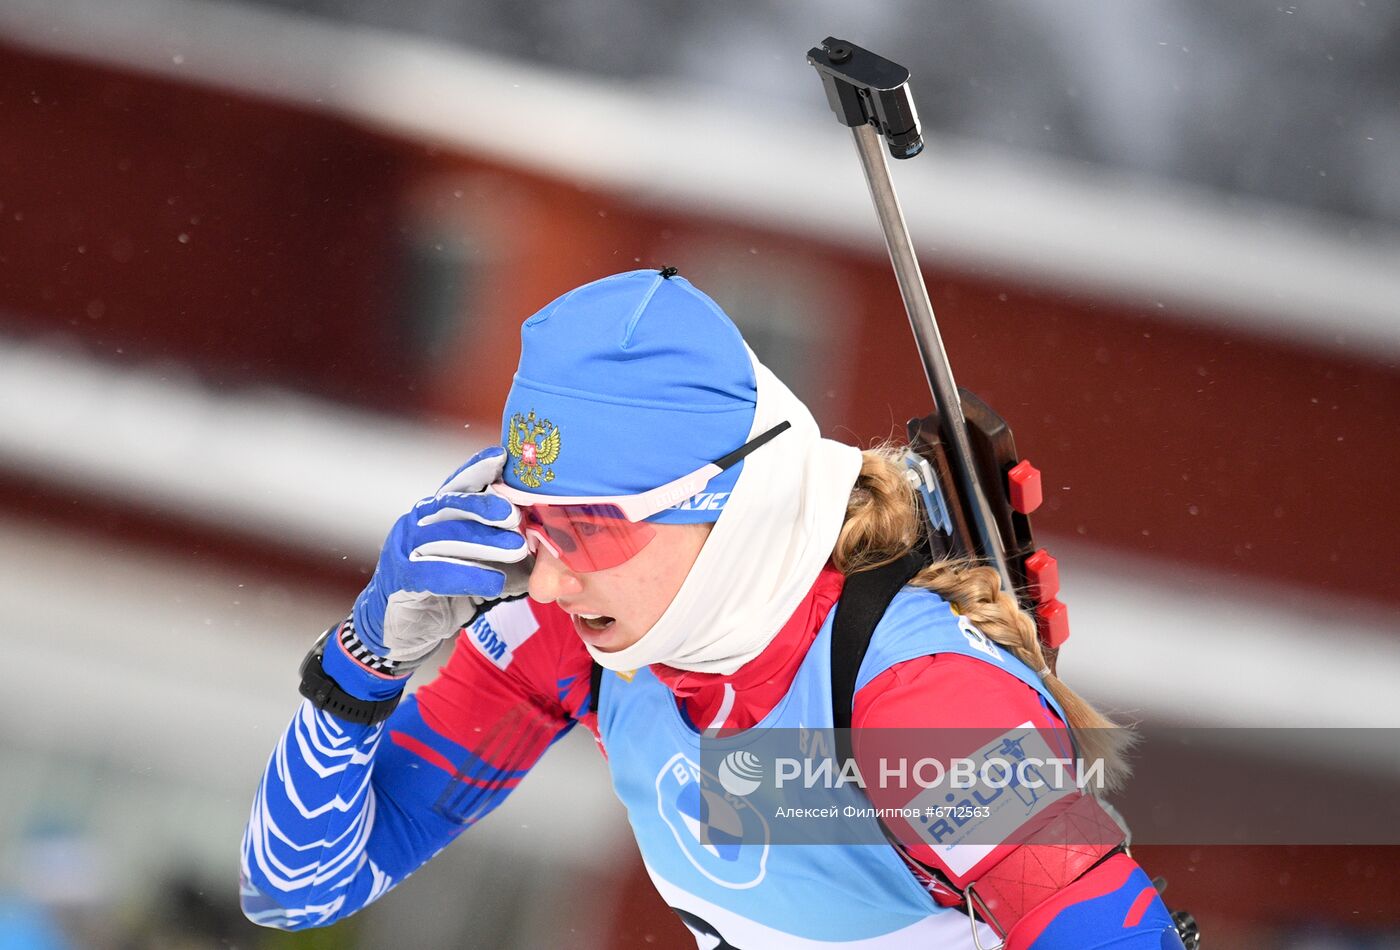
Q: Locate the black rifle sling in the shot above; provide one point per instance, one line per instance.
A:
(863, 602)
(595, 686)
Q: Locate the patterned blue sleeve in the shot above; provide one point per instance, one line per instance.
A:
(342, 816)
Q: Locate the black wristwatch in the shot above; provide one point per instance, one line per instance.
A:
(325, 693)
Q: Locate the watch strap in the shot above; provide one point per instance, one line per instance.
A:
(326, 694)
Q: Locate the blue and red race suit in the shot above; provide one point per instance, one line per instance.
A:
(345, 812)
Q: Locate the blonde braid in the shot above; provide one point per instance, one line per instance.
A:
(885, 521)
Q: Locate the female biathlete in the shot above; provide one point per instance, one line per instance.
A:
(676, 518)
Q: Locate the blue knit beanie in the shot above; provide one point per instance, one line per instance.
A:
(625, 384)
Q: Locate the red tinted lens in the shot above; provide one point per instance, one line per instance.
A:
(589, 537)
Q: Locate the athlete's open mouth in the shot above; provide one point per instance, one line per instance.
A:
(596, 622)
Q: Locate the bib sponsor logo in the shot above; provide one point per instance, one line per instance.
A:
(723, 836)
(498, 633)
(1012, 790)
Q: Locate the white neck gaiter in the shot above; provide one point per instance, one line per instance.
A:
(763, 555)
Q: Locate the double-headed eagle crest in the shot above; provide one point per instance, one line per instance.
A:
(535, 443)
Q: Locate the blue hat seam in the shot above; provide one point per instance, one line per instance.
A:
(637, 314)
(620, 401)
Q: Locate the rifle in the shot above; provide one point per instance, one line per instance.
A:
(978, 493)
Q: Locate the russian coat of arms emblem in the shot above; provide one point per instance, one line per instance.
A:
(534, 443)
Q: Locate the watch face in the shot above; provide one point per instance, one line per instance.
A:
(312, 660)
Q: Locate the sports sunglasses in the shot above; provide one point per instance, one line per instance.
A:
(594, 533)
